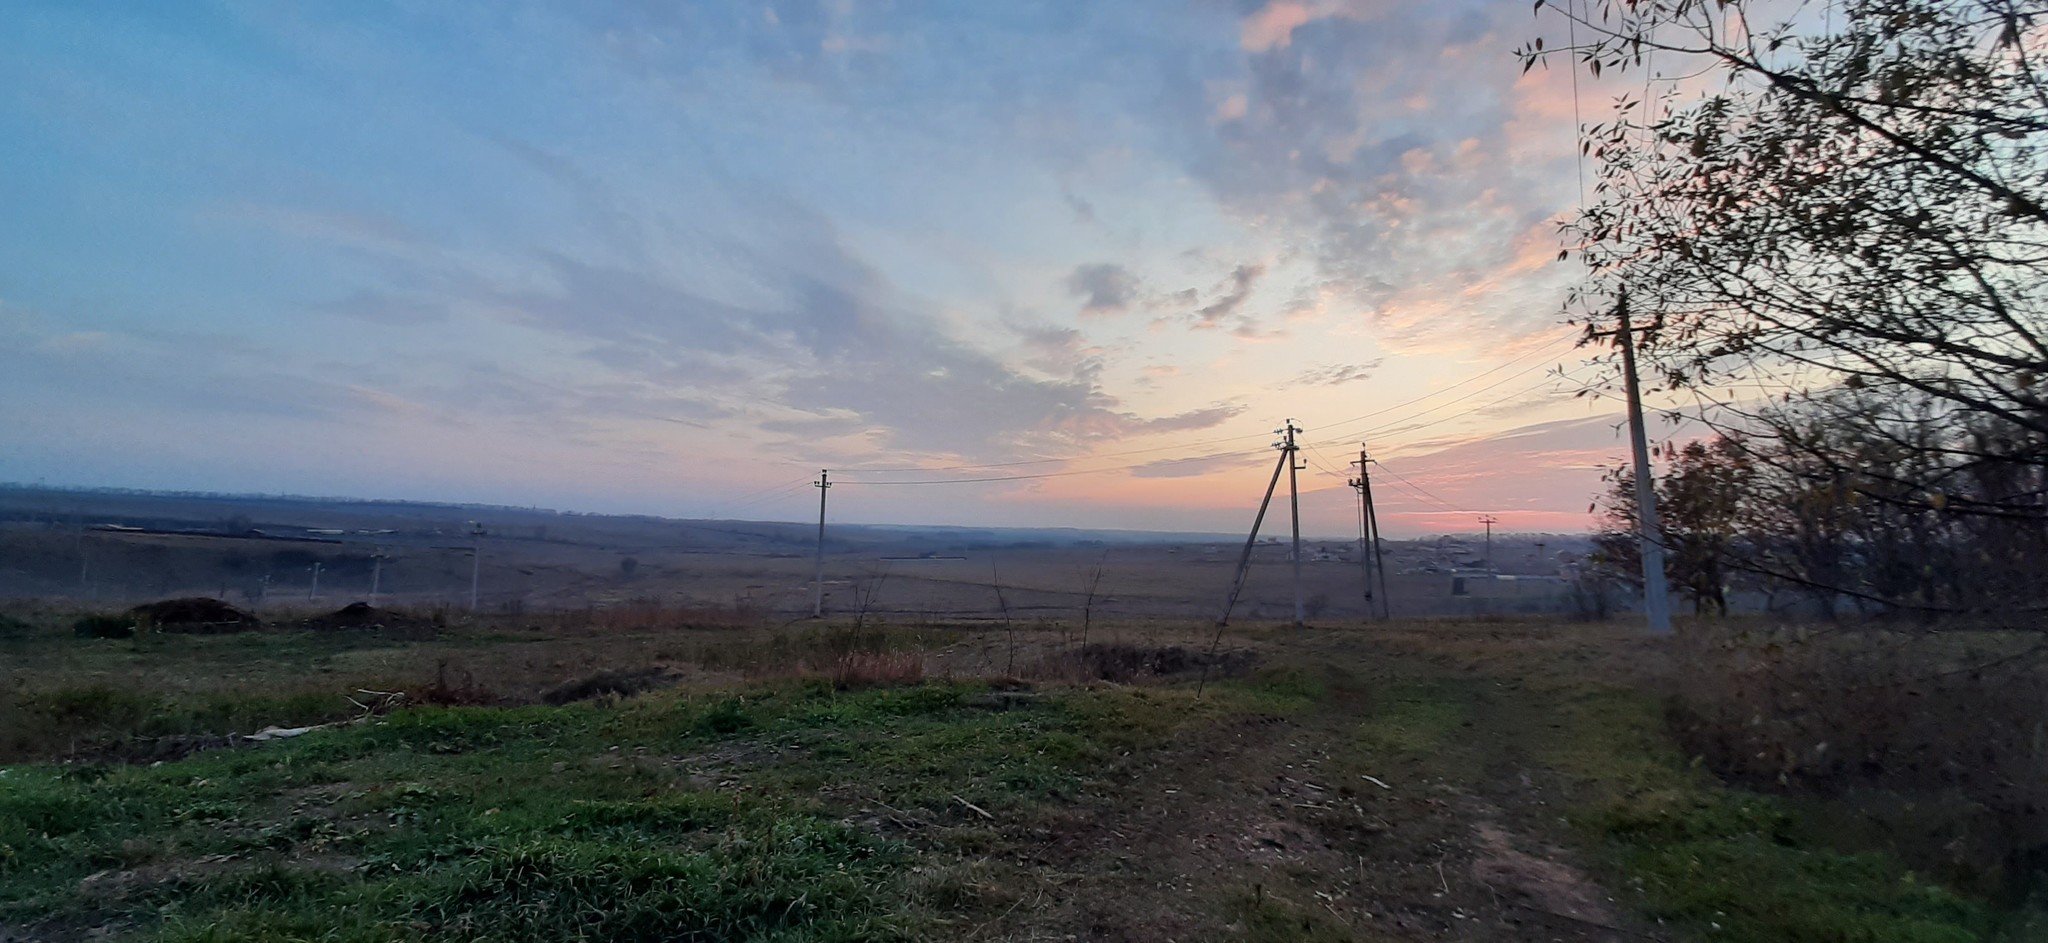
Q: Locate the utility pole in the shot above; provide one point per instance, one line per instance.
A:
(1656, 595)
(84, 563)
(476, 561)
(1294, 507)
(1372, 523)
(1364, 552)
(823, 484)
(1489, 520)
(376, 574)
(314, 592)
(1244, 560)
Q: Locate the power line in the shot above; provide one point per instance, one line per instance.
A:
(1554, 348)
(1049, 461)
(757, 497)
(1546, 351)
(1569, 374)
(1444, 405)
(1425, 492)
(1322, 462)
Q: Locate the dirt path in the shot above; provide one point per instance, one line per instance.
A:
(1265, 829)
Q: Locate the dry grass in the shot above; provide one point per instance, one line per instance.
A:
(1123, 663)
(877, 669)
(1919, 720)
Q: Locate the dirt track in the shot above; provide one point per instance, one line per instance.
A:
(1266, 826)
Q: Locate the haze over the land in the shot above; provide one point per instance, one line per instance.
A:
(675, 257)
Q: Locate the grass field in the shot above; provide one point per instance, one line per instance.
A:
(1501, 781)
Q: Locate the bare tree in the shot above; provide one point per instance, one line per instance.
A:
(867, 591)
(1009, 626)
(1858, 203)
(1834, 226)
(1091, 586)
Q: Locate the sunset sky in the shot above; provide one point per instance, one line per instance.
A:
(674, 257)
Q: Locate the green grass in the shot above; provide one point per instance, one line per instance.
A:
(792, 811)
(1726, 863)
(98, 717)
(714, 816)
(1713, 862)
(1414, 720)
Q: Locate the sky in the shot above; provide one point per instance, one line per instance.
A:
(1007, 264)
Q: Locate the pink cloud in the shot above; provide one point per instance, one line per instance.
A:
(1232, 108)
(1274, 24)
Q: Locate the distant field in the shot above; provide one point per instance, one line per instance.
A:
(262, 553)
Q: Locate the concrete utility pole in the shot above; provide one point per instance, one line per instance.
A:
(1372, 526)
(476, 561)
(1656, 595)
(314, 593)
(1294, 507)
(823, 484)
(1364, 515)
(1244, 560)
(84, 562)
(376, 573)
(1489, 520)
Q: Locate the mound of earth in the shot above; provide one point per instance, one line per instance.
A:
(195, 614)
(362, 615)
(355, 613)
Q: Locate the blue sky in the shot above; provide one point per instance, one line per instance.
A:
(674, 257)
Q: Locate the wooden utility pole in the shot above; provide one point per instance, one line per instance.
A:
(1650, 530)
(1489, 520)
(823, 484)
(1244, 560)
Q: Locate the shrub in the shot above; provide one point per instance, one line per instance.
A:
(1934, 716)
(727, 717)
(454, 688)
